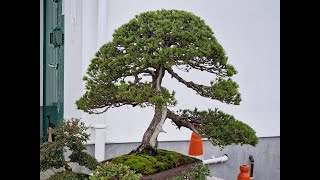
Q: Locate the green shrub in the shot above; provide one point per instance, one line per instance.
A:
(84, 159)
(71, 133)
(110, 171)
(69, 175)
(199, 172)
(51, 155)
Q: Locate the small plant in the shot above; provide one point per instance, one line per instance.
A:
(199, 172)
(84, 159)
(114, 172)
(51, 155)
(71, 133)
(69, 175)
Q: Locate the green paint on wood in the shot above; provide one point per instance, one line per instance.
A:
(53, 62)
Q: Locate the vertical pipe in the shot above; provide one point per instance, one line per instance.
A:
(252, 165)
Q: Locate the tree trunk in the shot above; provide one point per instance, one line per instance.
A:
(150, 137)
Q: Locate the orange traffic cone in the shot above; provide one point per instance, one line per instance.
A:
(195, 146)
(244, 175)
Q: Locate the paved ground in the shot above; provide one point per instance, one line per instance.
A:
(213, 178)
(75, 167)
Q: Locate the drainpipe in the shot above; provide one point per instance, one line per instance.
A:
(252, 165)
(216, 160)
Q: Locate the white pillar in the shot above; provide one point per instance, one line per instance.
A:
(99, 141)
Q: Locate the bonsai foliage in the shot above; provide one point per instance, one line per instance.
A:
(69, 175)
(114, 171)
(51, 155)
(71, 133)
(199, 172)
(129, 71)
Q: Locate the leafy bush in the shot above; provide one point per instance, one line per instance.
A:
(71, 133)
(84, 159)
(114, 171)
(69, 175)
(51, 155)
(199, 172)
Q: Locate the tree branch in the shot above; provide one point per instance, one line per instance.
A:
(201, 89)
(136, 78)
(203, 64)
(209, 68)
(183, 121)
(110, 105)
(152, 73)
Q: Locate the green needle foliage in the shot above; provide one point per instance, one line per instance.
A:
(220, 128)
(126, 71)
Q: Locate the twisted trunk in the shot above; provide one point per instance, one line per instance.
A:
(150, 137)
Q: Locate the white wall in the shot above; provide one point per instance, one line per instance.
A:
(72, 57)
(249, 32)
(41, 52)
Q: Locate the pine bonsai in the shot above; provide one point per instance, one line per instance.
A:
(129, 71)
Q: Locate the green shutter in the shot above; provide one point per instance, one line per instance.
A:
(53, 62)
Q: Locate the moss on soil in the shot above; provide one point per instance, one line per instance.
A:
(146, 164)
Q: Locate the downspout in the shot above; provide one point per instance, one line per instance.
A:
(216, 160)
(252, 165)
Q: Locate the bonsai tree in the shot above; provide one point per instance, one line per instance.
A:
(129, 71)
(71, 133)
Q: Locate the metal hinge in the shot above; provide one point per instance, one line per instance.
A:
(57, 37)
(62, 38)
(51, 38)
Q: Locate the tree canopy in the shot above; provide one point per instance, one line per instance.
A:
(150, 45)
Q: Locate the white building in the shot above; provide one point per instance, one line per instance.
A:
(73, 30)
